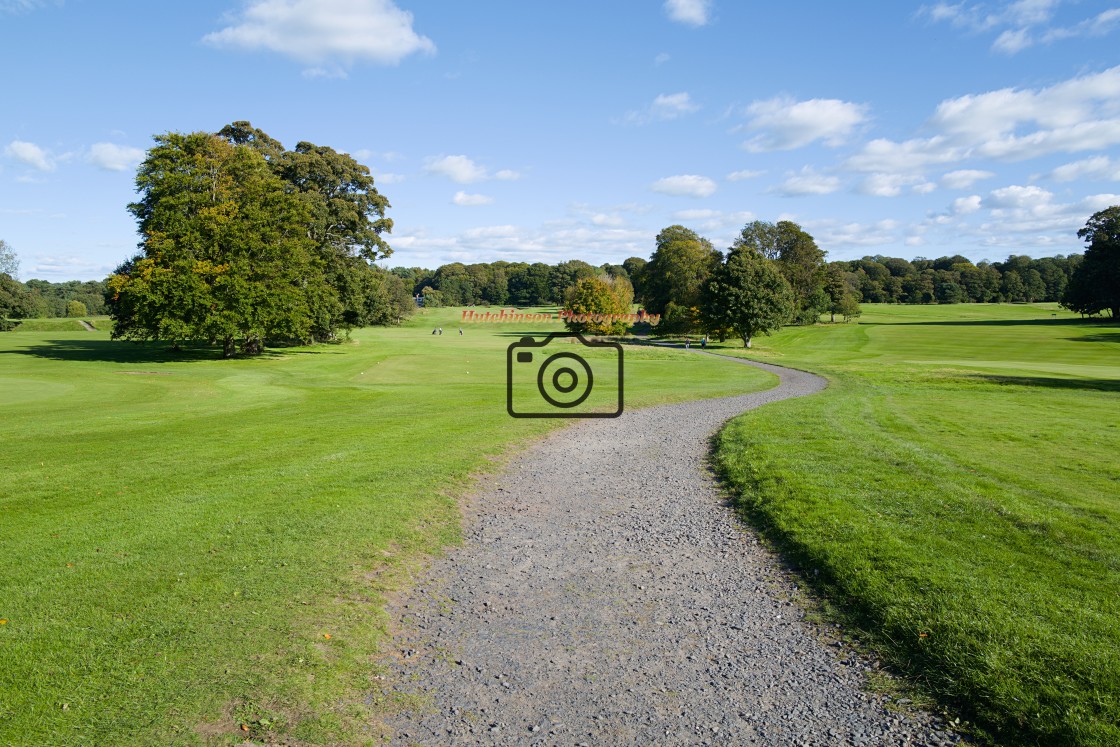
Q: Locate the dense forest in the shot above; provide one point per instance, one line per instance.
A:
(876, 279)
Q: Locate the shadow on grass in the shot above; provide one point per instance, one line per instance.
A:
(121, 352)
(1098, 385)
(1103, 323)
(1102, 337)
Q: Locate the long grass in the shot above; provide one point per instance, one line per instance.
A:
(955, 494)
(196, 551)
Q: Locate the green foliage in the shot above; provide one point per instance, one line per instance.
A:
(799, 260)
(747, 296)
(15, 300)
(76, 308)
(597, 297)
(1095, 285)
(953, 493)
(225, 254)
(675, 275)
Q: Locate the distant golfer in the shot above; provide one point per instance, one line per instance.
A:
(460, 331)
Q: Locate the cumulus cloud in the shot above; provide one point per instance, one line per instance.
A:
(964, 178)
(965, 205)
(666, 106)
(1097, 167)
(463, 170)
(808, 182)
(689, 12)
(1010, 124)
(785, 124)
(113, 157)
(316, 32)
(463, 199)
(689, 185)
(886, 185)
(30, 154)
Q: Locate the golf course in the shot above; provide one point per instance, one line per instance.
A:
(199, 551)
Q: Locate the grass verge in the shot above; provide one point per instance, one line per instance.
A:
(955, 493)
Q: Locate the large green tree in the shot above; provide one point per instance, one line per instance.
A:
(674, 277)
(746, 296)
(1095, 285)
(798, 258)
(225, 254)
(347, 218)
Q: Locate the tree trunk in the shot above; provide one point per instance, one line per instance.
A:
(832, 317)
(746, 341)
(229, 347)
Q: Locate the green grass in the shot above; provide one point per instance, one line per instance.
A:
(955, 494)
(180, 534)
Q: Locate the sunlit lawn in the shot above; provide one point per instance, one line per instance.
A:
(956, 492)
(195, 550)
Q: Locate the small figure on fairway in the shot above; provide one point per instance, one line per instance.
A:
(433, 330)
(441, 330)
(686, 344)
(460, 331)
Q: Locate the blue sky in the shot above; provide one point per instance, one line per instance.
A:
(530, 131)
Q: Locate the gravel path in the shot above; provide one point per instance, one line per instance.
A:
(605, 595)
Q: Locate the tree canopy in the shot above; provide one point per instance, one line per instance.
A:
(601, 298)
(1095, 285)
(746, 296)
(243, 242)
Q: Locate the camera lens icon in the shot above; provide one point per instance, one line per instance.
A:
(565, 380)
(544, 383)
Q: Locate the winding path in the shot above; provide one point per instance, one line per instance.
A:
(606, 595)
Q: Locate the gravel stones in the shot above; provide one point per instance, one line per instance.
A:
(606, 595)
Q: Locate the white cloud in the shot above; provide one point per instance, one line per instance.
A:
(808, 182)
(1024, 23)
(30, 154)
(463, 199)
(691, 12)
(114, 157)
(463, 170)
(965, 205)
(1016, 196)
(1079, 114)
(837, 234)
(611, 220)
(738, 176)
(388, 178)
(661, 58)
(964, 178)
(665, 106)
(886, 185)
(923, 188)
(689, 185)
(714, 221)
(66, 267)
(785, 124)
(1097, 167)
(319, 31)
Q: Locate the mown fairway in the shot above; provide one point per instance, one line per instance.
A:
(956, 491)
(194, 549)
